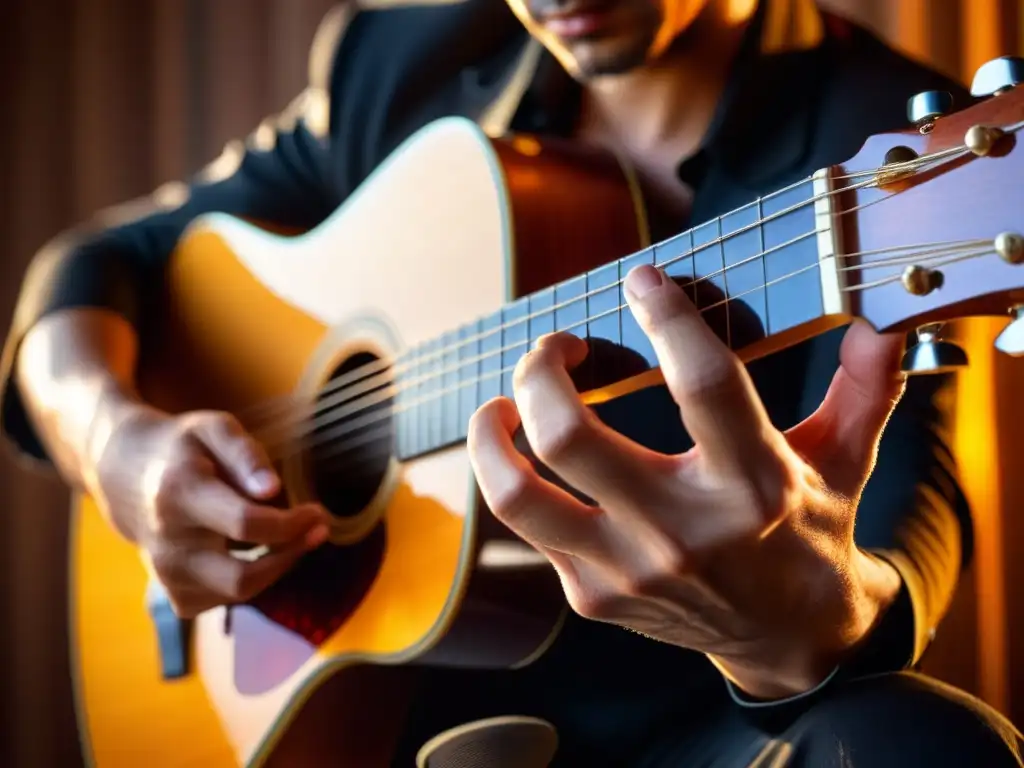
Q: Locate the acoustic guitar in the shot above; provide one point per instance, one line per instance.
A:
(358, 351)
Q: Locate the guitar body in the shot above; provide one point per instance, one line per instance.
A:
(317, 670)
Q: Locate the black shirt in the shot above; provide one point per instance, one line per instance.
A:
(787, 111)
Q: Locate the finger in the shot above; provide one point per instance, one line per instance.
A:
(240, 455)
(215, 506)
(567, 437)
(541, 513)
(847, 427)
(236, 580)
(718, 403)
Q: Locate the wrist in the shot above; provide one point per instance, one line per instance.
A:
(804, 662)
(111, 450)
(116, 408)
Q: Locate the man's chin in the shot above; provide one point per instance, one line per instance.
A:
(597, 58)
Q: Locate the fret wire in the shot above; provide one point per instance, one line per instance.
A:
(586, 311)
(417, 416)
(435, 412)
(618, 291)
(764, 269)
(725, 285)
(478, 400)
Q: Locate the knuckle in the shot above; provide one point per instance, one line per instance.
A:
(645, 582)
(216, 425)
(250, 452)
(650, 582)
(522, 371)
(510, 501)
(717, 378)
(174, 478)
(167, 565)
(672, 559)
(539, 358)
(166, 498)
(221, 421)
(637, 585)
(770, 493)
(562, 437)
(476, 427)
(241, 522)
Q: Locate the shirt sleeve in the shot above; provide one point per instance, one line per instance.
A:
(913, 514)
(279, 175)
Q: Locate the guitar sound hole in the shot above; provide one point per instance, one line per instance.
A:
(351, 442)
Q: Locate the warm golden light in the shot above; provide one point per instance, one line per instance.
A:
(526, 145)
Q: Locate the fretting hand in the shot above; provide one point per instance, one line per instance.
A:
(742, 547)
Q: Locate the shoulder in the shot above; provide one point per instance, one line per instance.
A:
(392, 34)
(382, 69)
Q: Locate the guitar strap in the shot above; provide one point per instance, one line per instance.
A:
(496, 118)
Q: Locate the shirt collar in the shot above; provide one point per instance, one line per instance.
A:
(781, 37)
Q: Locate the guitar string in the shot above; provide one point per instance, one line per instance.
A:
(375, 415)
(402, 362)
(337, 396)
(720, 240)
(336, 447)
(329, 403)
(353, 391)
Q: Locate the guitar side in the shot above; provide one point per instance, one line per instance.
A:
(421, 576)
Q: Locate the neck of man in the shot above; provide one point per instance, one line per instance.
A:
(659, 113)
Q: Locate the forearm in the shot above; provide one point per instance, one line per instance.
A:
(75, 372)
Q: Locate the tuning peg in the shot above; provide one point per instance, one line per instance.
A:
(926, 107)
(998, 75)
(1011, 340)
(931, 354)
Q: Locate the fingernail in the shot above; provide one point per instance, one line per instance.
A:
(316, 536)
(262, 481)
(643, 279)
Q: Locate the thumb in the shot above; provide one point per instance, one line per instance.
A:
(841, 437)
(241, 457)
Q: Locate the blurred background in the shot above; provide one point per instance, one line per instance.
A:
(104, 100)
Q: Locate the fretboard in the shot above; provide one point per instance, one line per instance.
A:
(753, 273)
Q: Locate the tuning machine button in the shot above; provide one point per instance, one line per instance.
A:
(932, 354)
(924, 108)
(1011, 340)
(998, 75)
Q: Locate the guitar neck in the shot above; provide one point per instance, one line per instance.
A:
(763, 276)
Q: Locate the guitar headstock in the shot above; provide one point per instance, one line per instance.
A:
(932, 218)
